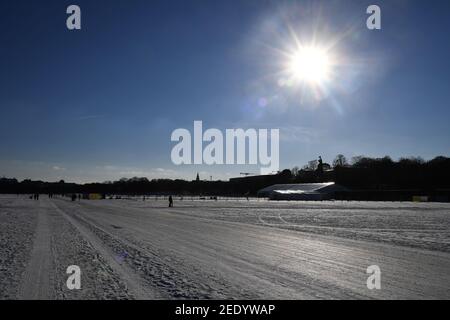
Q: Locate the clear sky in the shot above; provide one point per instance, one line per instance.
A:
(101, 103)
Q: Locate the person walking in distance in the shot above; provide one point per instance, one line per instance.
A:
(170, 202)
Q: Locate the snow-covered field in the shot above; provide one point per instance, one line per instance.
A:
(134, 249)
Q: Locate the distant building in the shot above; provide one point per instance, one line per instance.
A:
(302, 191)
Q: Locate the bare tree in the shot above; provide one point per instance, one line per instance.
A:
(356, 159)
(311, 166)
(340, 161)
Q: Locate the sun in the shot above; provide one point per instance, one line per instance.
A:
(310, 64)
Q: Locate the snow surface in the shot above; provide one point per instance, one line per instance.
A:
(134, 249)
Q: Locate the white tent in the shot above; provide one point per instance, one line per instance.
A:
(302, 191)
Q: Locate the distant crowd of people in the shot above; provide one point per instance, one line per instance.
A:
(75, 196)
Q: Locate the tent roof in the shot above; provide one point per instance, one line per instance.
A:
(302, 188)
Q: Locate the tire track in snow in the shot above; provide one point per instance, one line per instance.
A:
(132, 280)
(189, 283)
(36, 282)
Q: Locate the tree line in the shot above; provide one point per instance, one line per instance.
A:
(360, 174)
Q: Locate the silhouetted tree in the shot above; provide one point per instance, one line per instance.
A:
(311, 166)
(340, 161)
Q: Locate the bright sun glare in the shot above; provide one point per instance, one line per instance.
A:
(310, 64)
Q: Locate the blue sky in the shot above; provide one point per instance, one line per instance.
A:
(100, 103)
